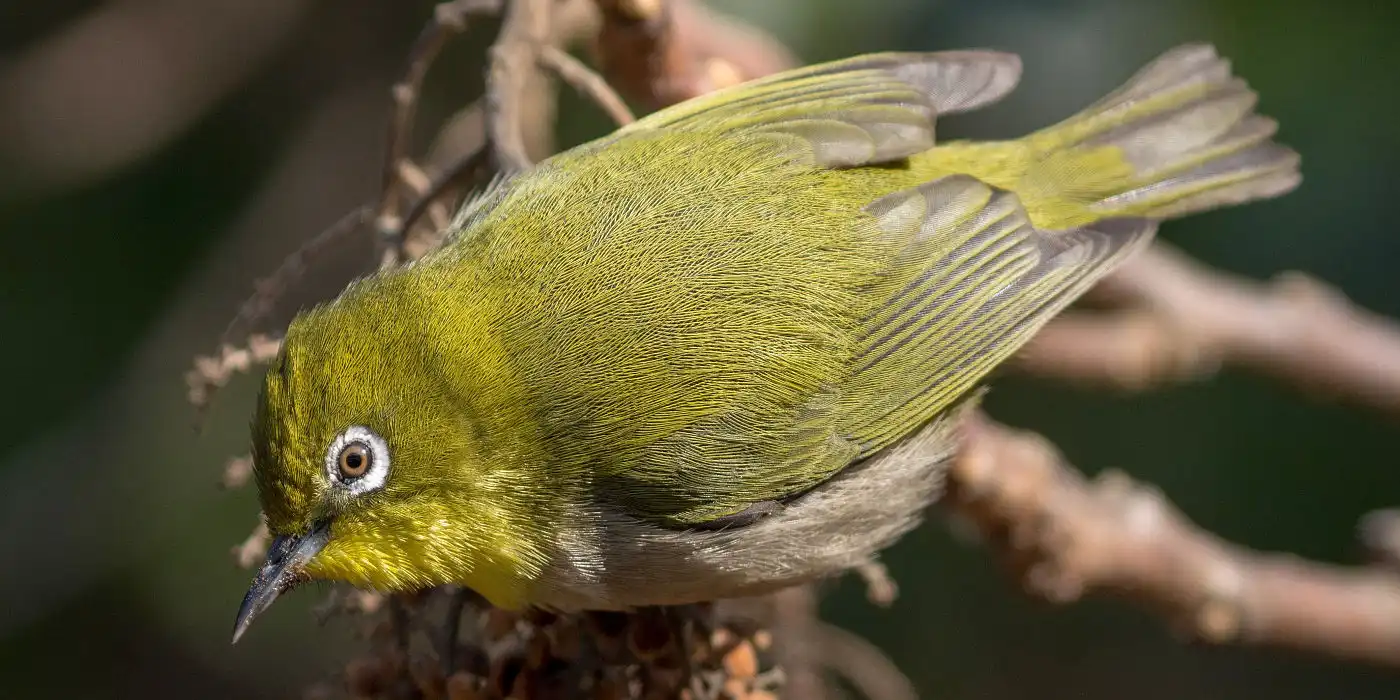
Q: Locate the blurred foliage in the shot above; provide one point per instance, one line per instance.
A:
(118, 582)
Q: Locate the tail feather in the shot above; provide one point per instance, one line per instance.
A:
(1181, 135)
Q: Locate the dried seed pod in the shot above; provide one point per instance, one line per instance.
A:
(649, 636)
(464, 686)
(500, 623)
(538, 651)
(609, 633)
(367, 676)
(428, 677)
(742, 661)
(566, 639)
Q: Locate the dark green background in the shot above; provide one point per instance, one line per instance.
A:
(114, 575)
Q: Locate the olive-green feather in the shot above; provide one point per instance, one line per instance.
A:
(946, 82)
(972, 282)
(869, 109)
(731, 300)
(680, 346)
(1177, 138)
(727, 302)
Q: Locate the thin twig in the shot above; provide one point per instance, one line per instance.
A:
(1380, 533)
(1179, 319)
(1068, 536)
(449, 19)
(212, 372)
(525, 30)
(251, 551)
(587, 82)
(237, 472)
(465, 169)
(794, 624)
(862, 664)
(267, 291)
(661, 52)
(880, 587)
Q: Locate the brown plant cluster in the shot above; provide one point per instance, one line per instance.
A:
(1168, 318)
(484, 653)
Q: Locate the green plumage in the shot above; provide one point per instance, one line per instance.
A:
(728, 302)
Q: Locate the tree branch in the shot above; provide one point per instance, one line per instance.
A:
(1067, 536)
(449, 19)
(526, 28)
(1176, 318)
(587, 82)
(661, 52)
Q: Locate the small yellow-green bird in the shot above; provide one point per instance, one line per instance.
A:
(721, 350)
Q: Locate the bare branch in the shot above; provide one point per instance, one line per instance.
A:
(1067, 536)
(250, 553)
(210, 373)
(661, 52)
(513, 60)
(587, 82)
(449, 19)
(795, 622)
(270, 289)
(1180, 319)
(237, 472)
(880, 587)
(125, 78)
(863, 664)
(467, 168)
(1380, 532)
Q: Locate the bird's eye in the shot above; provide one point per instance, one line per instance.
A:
(358, 460)
(354, 460)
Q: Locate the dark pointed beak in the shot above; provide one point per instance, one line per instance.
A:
(285, 560)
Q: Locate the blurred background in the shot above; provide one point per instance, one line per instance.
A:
(158, 155)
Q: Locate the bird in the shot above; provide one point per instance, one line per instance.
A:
(726, 348)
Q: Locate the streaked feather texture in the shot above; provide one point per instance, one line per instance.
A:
(724, 306)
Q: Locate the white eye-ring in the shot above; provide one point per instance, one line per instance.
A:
(358, 460)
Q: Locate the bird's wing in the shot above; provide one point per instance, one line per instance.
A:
(864, 110)
(973, 282)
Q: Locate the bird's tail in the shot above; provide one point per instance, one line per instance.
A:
(1179, 137)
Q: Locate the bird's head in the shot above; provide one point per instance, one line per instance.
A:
(372, 467)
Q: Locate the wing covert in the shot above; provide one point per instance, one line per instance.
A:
(973, 282)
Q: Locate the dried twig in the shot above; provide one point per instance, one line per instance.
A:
(795, 623)
(465, 169)
(1180, 319)
(880, 587)
(449, 19)
(1068, 536)
(250, 552)
(210, 373)
(662, 52)
(63, 126)
(1380, 533)
(513, 60)
(237, 472)
(267, 291)
(587, 82)
(861, 663)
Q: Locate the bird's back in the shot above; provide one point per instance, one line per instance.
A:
(682, 312)
(728, 301)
